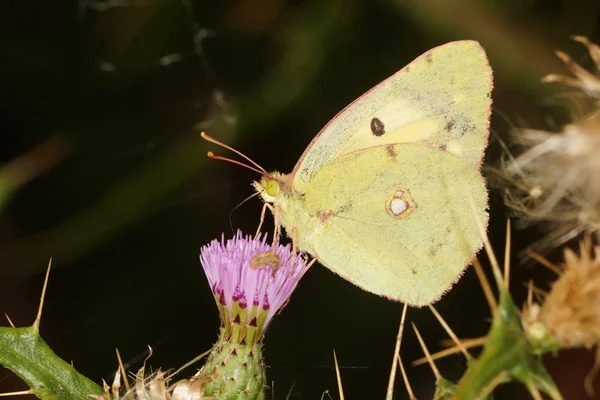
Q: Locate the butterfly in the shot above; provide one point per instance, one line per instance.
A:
(386, 194)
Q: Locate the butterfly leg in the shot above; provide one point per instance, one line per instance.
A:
(293, 246)
(294, 249)
(310, 264)
(262, 219)
(277, 230)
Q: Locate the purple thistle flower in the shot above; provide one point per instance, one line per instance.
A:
(251, 281)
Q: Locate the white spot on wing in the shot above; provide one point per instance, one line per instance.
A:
(398, 206)
(401, 204)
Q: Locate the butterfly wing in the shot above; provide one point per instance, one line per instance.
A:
(397, 220)
(442, 98)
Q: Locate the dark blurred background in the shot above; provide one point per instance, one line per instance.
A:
(101, 103)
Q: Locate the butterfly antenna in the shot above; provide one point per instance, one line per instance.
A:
(210, 139)
(238, 206)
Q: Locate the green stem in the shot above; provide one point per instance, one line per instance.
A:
(508, 352)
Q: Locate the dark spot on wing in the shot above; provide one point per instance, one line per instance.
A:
(429, 58)
(413, 271)
(345, 208)
(443, 147)
(459, 125)
(391, 151)
(377, 127)
(466, 126)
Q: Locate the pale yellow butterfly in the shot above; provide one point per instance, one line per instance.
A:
(384, 194)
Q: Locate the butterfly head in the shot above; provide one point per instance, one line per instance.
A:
(271, 186)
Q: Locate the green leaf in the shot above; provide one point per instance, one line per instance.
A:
(24, 352)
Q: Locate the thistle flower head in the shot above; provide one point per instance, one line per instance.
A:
(251, 280)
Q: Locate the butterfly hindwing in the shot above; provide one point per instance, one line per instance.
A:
(397, 219)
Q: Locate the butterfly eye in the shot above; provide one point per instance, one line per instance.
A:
(272, 188)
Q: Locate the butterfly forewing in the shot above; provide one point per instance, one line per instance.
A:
(442, 98)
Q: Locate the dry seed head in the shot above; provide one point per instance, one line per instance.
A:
(584, 80)
(570, 313)
(571, 310)
(554, 178)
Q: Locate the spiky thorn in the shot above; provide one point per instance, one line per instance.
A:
(38, 318)
(466, 343)
(288, 395)
(584, 75)
(398, 361)
(530, 293)
(193, 361)
(537, 257)
(21, 393)
(434, 369)
(534, 391)
(338, 376)
(485, 286)
(9, 321)
(593, 48)
(588, 382)
(122, 370)
(584, 80)
(489, 250)
(405, 378)
(450, 333)
(322, 396)
(507, 256)
(487, 391)
(539, 294)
